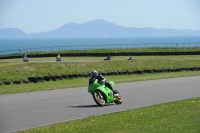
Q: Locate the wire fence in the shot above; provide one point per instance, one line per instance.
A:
(108, 46)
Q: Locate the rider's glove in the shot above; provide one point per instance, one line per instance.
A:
(102, 81)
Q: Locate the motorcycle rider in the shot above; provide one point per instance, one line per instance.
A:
(25, 58)
(101, 80)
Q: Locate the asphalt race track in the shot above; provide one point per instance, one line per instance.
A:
(28, 110)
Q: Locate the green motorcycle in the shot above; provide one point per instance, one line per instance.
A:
(103, 94)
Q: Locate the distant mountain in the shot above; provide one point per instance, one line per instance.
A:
(100, 28)
(11, 32)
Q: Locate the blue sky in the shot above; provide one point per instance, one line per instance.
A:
(33, 16)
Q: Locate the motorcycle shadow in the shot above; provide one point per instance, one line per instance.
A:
(89, 106)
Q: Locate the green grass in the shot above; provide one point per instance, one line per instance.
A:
(79, 82)
(175, 117)
(18, 70)
(117, 50)
(96, 59)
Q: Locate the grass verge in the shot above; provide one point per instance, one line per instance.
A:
(117, 50)
(79, 82)
(21, 71)
(175, 117)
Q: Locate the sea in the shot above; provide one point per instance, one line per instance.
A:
(23, 45)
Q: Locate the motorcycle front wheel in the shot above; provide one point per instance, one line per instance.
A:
(99, 98)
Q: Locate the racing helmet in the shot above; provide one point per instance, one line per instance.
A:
(93, 74)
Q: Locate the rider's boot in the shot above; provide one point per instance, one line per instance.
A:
(116, 95)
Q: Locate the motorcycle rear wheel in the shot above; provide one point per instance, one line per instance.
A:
(118, 98)
(99, 98)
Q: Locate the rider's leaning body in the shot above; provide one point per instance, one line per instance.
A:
(100, 79)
